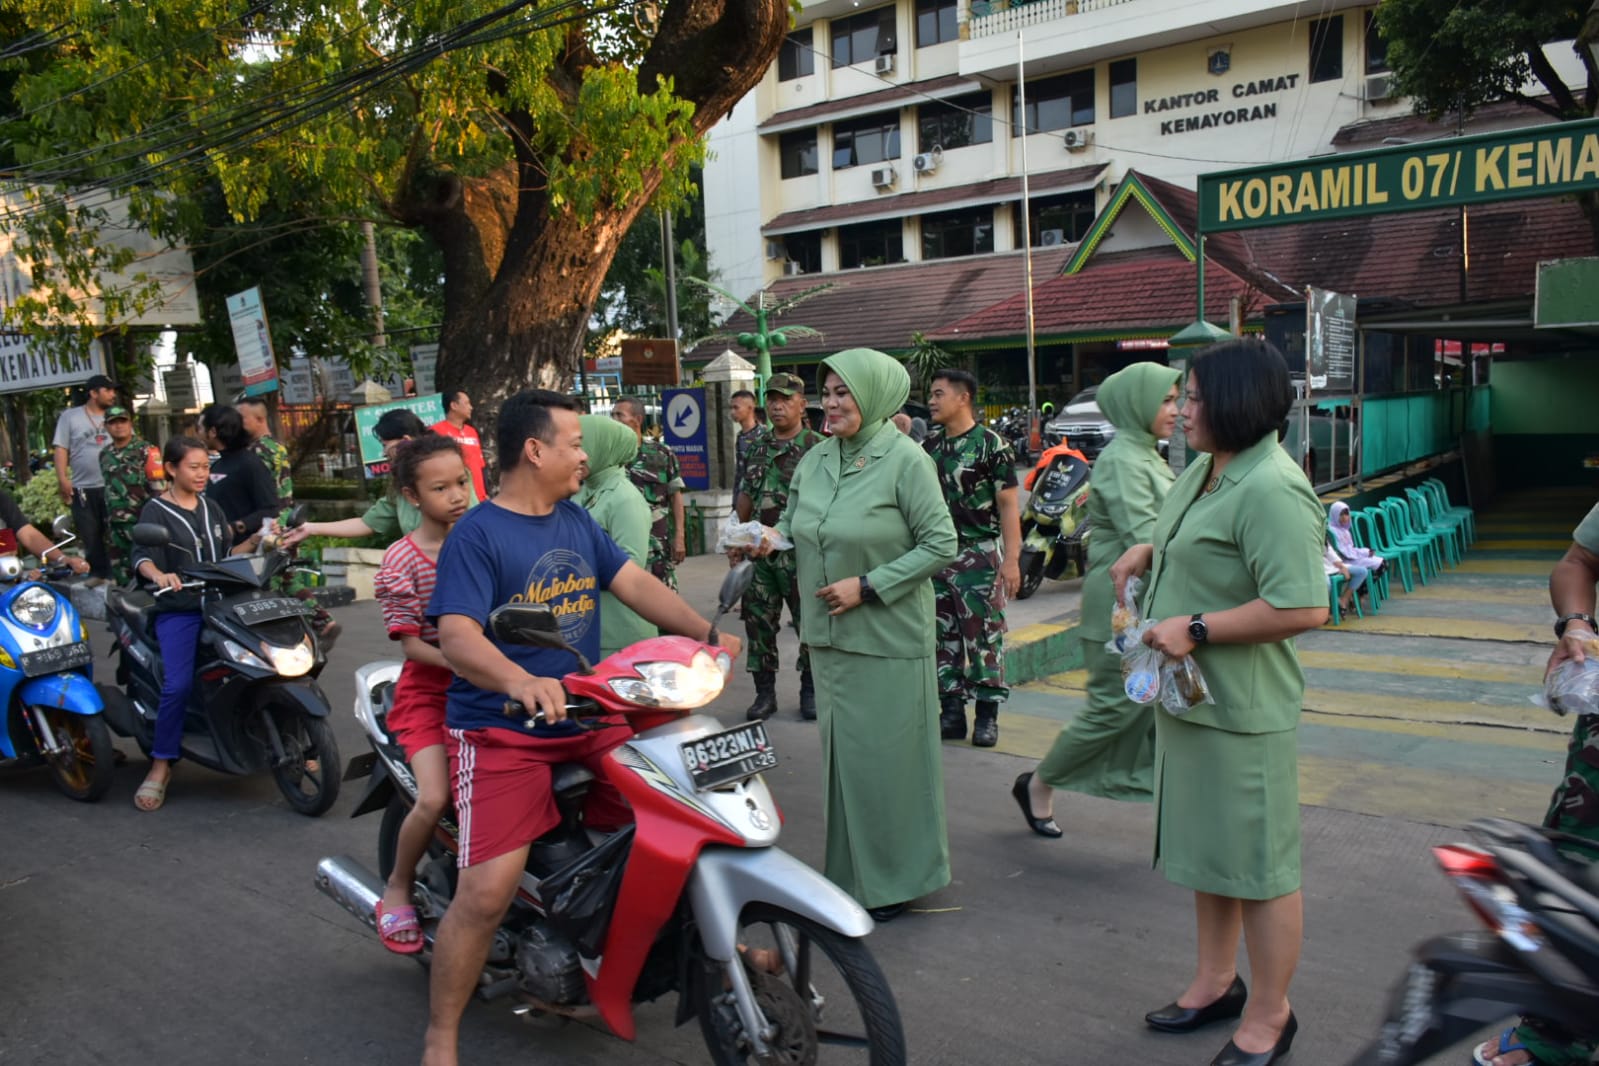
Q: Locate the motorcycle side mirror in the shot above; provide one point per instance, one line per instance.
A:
(296, 517)
(61, 527)
(535, 625)
(151, 535)
(734, 584)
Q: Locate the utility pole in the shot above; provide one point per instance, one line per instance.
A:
(669, 254)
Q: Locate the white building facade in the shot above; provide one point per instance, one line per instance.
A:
(891, 133)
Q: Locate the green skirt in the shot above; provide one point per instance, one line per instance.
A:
(1227, 809)
(882, 775)
(1109, 749)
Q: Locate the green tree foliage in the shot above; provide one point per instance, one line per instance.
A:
(522, 141)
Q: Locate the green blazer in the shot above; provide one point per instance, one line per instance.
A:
(880, 513)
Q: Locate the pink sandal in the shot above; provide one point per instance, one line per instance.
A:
(399, 920)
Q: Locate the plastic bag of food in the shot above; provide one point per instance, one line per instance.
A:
(1573, 687)
(747, 535)
(1126, 624)
(1141, 666)
(1182, 685)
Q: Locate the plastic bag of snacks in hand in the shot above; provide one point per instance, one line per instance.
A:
(1573, 687)
(1126, 624)
(1148, 675)
(747, 535)
(1182, 685)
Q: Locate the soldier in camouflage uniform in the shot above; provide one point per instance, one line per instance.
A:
(125, 464)
(978, 472)
(763, 494)
(273, 454)
(1575, 806)
(655, 473)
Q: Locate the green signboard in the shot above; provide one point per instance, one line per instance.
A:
(1540, 161)
(1565, 296)
(430, 409)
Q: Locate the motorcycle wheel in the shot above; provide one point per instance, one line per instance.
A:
(832, 997)
(309, 791)
(1032, 568)
(83, 772)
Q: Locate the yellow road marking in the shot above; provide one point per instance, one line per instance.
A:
(1394, 625)
(1508, 545)
(1455, 669)
(1524, 595)
(1420, 795)
(1503, 566)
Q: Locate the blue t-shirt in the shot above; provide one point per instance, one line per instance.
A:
(494, 556)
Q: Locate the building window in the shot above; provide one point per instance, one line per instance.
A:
(935, 22)
(796, 59)
(1056, 220)
(1123, 88)
(1055, 103)
(862, 38)
(1376, 47)
(862, 141)
(951, 233)
(871, 244)
(798, 151)
(804, 250)
(1327, 49)
(955, 123)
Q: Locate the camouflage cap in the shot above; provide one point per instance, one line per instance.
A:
(112, 414)
(786, 384)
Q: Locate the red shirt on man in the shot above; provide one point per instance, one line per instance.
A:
(471, 451)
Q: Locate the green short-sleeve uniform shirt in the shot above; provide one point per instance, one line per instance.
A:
(1587, 532)
(1257, 535)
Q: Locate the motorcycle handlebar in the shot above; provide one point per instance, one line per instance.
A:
(576, 709)
(184, 585)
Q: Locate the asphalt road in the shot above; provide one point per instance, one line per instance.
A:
(194, 935)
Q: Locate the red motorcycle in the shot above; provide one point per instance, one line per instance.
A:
(693, 898)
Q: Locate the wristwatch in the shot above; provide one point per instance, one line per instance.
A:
(1560, 626)
(1198, 631)
(868, 594)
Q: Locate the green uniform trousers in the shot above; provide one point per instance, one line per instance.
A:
(773, 582)
(1109, 748)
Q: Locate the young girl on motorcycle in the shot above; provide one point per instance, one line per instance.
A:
(431, 474)
(200, 534)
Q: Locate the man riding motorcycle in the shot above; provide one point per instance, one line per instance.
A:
(530, 544)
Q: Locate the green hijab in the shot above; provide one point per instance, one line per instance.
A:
(610, 446)
(879, 384)
(1132, 396)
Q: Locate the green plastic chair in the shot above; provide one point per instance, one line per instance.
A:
(1395, 541)
(1425, 516)
(1400, 557)
(1440, 498)
(1377, 584)
(1404, 527)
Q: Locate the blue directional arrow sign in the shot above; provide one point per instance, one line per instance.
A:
(683, 430)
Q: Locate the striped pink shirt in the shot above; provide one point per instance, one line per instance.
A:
(403, 586)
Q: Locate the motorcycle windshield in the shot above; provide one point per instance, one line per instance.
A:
(252, 570)
(1063, 478)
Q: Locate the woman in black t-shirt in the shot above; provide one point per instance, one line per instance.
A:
(240, 481)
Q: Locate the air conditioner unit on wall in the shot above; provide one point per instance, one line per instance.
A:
(776, 250)
(885, 64)
(883, 177)
(1052, 238)
(792, 268)
(1379, 87)
(926, 163)
(1078, 139)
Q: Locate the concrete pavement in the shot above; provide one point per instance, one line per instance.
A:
(194, 936)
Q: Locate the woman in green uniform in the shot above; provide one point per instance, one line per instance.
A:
(870, 529)
(1109, 749)
(619, 507)
(1234, 575)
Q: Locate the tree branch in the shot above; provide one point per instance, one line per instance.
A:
(1551, 79)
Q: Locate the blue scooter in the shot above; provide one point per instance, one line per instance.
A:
(52, 711)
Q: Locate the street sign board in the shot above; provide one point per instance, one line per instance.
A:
(247, 318)
(1564, 297)
(1329, 340)
(179, 383)
(650, 362)
(1549, 160)
(424, 367)
(683, 431)
(430, 409)
(299, 382)
(25, 367)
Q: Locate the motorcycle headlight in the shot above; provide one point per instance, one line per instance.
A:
(292, 661)
(36, 607)
(244, 656)
(677, 686)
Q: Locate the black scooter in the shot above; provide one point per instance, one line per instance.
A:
(1537, 892)
(256, 705)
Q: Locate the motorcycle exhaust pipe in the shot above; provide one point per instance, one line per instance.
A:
(352, 886)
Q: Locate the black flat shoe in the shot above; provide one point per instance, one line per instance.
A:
(1044, 827)
(1231, 1055)
(888, 913)
(1174, 1019)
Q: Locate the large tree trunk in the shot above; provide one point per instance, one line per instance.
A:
(520, 281)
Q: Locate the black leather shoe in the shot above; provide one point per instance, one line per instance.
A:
(1044, 827)
(1174, 1019)
(888, 913)
(1231, 1055)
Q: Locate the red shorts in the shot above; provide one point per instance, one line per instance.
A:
(417, 717)
(501, 784)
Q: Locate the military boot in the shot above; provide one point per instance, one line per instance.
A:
(765, 704)
(952, 717)
(807, 697)
(985, 731)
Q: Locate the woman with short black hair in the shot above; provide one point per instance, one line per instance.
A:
(1234, 575)
(241, 484)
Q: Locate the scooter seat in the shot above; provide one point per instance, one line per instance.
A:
(130, 603)
(569, 775)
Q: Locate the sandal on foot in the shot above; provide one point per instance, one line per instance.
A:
(1485, 1053)
(154, 793)
(399, 920)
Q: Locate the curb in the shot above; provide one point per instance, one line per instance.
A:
(1040, 650)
